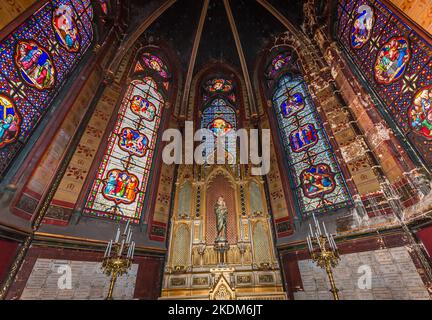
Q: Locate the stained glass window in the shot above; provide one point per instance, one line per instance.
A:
(35, 60)
(314, 172)
(121, 183)
(219, 116)
(397, 64)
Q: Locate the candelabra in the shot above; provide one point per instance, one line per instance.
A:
(324, 252)
(118, 257)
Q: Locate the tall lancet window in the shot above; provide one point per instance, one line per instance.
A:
(120, 185)
(314, 173)
(219, 116)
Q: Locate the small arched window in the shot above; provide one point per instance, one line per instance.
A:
(219, 116)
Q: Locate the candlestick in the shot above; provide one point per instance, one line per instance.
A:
(327, 257)
(120, 261)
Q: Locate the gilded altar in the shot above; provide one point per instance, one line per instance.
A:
(194, 269)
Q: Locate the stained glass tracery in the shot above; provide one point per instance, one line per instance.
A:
(220, 118)
(120, 186)
(35, 60)
(314, 172)
(397, 63)
(156, 64)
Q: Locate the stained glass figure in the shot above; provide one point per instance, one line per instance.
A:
(9, 121)
(391, 60)
(219, 85)
(35, 65)
(155, 63)
(120, 186)
(293, 104)
(317, 180)
(220, 118)
(133, 141)
(362, 27)
(278, 63)
(65, 27)
(303, 137)
(420, 112)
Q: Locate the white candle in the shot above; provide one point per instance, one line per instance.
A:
(129, 251)
(334, 242)
(325, 229)
(129, 236)
(133, 250)
(121, 247)
(117, 235)
(311, 232)
(127, 226)
(106, 250)
(109, 248)
(309, 241)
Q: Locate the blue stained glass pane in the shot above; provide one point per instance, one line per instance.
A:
(221, 119)
(314, 172)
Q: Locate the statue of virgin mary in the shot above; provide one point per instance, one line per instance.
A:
(221, 212)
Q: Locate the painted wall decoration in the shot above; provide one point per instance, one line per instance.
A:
(120, 185)
(362, 27)
(420, 112)
(35, 61)
(66, 28)
(396, 62)
(9, 121)
(314, 173)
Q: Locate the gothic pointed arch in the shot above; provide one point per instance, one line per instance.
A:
(121, 187)
(314, 175)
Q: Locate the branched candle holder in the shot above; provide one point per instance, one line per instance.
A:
(324, 252)
(118, 257)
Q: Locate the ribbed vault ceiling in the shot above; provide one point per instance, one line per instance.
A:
(177, 27)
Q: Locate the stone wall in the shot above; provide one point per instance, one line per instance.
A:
(393, 276)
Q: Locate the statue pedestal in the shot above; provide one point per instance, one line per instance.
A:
(221, 247)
